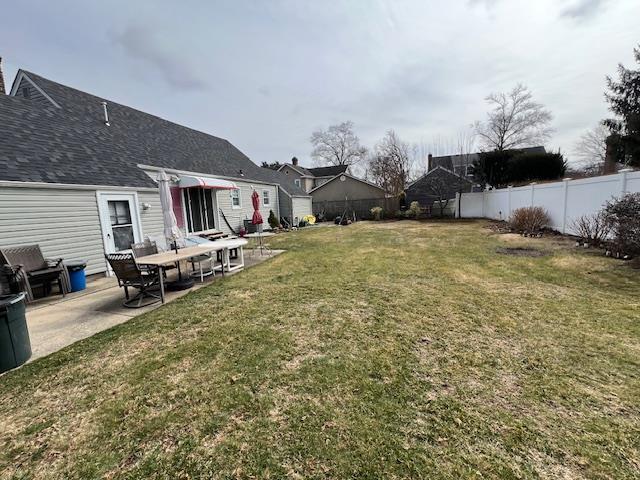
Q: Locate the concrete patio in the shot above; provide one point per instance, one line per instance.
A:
(55, 322)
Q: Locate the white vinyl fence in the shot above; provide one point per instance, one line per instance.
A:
(565, 200)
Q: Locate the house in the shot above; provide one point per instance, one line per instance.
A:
(437, 185)
(310, 178)
(78, 174)
(461, 164)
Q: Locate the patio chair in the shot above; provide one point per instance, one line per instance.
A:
(148, 247)
(129, 274)
(30, 268)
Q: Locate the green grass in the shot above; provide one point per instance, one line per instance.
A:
(379, 350)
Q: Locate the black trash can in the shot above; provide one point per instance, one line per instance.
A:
(15, 347)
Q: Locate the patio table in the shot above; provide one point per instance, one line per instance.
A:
(259, 243)
(165, 259)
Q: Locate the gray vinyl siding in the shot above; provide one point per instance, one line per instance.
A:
(236, 216)
(301, 207)
(65, 223)
(285, 204)
(151, 220)
(33, 94)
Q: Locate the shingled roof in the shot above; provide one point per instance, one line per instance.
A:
(331, 171)
(71, 144)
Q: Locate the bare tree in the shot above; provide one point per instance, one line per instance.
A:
(592, 148)
(390, 166)
(515, 120)
(337, 145)
(465, 146)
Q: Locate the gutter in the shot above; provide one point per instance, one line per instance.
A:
(72, 186)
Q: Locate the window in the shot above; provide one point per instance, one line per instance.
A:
(199, 204)
(297, 182)
(265, 198)
(121, 224)
(235, 198)
(25, 92)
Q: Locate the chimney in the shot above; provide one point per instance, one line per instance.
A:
(429, 162)
(294, 161)
(2, 90)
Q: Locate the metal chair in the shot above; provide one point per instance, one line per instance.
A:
(129, 274)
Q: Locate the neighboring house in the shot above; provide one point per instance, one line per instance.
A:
(78, 174)
(310, 178)
(461, 164)
(346, 187)
(438, 184)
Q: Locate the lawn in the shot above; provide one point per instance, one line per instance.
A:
(378, 350)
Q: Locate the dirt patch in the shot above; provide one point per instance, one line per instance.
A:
(521, 251)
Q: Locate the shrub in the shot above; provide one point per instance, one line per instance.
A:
(414, 210)
(624, 217)
(500, 168)
(529, 219)
(273, 221)
(595, 228)
(528, 167)
(377, 213)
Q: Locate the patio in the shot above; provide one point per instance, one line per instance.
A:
(55, 322)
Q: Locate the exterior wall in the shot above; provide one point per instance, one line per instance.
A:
(286, 204)
(565, 201)
(301, 206)
(236, 216)
(151, 220)
(307, 184)
(65, 223)
(338, 190)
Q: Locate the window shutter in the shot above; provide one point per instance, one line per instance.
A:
(176, 200)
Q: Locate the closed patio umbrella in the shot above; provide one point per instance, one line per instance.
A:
(255, 200)
(171, 231)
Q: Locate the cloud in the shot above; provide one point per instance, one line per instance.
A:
(582, 9)
(141, 44)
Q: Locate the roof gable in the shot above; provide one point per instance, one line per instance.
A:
(348, 176)
(439, 169)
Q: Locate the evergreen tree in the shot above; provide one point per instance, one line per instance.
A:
(624, 102)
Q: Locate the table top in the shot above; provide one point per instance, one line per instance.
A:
(258, 234)
(225, 243)
(170, 257)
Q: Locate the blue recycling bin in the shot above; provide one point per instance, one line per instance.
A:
(77, 276)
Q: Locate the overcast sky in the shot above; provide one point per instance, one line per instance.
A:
(264, 74)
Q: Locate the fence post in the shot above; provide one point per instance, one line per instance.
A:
(484, 196)
(565, 195)
(533, 187)
(623, 179)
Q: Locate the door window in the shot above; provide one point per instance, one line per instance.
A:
(121, 224)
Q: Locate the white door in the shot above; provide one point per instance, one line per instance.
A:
(120, 221)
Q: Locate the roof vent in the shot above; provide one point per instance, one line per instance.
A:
(106, 114)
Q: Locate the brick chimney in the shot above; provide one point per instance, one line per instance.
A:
(429, 162)
(2, 90)
(294, 161)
